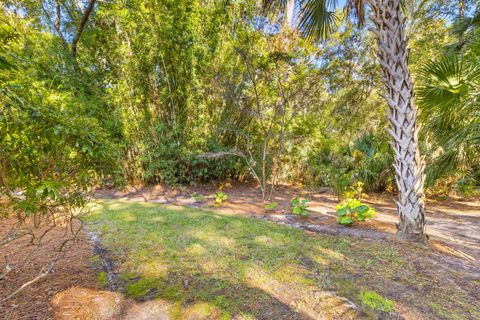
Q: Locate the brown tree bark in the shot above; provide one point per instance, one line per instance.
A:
(81, 26)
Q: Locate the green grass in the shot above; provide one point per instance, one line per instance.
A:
(376, 301)
(240, 265)
(102, 279)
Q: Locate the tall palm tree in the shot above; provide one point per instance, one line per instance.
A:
(316, 18)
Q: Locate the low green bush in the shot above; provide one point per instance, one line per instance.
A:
(353, 210)
(271, 206)
(220, 197)
(300, 206)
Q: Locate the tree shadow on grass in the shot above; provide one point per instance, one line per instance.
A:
(230, 298)
(237, 264)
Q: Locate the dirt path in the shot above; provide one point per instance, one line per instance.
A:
(453, 226)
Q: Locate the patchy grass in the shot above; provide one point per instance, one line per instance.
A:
(232, 265)
(376, 301)
(102, 279)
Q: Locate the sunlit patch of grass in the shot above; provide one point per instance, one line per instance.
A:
(376, 301)
(235, 265)
(158, 219)
(203, 310)
(126, 216)
(294, 274)
(196, 249)
(152, 269)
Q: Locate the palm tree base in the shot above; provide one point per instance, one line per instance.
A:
(411, 233)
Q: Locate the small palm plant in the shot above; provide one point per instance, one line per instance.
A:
(450, 99)
(220, 197)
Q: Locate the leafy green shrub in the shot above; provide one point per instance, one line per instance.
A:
(353, 210)
(171, 157)
(331, 163)
(466, 186)
(373, 160)
(55, 144)
(300, 206)
(220, 197)
(355, 191)
(271, 206)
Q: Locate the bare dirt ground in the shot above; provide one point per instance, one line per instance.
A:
(453, 226)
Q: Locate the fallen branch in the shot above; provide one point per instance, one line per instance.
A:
(45, 270)
(49, 267)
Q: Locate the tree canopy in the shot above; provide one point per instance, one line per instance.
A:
(181, 92)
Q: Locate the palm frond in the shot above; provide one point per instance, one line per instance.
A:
(449, 98)
(317, 18)
(464, 24)
(443, 82)
(274, 4)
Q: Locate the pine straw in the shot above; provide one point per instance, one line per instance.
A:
(72, 269)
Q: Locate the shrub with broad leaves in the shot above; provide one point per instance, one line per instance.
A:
(353, 210)
(300, 206)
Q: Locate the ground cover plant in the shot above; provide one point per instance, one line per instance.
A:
(300, 206)
(244, 266)
(353, 210)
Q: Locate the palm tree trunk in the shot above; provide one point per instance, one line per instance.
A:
(409, 166)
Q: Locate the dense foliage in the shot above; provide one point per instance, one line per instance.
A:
(449, 94)
(181, 92)
(55, 139)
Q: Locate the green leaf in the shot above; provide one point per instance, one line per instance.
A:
(345, 220)
(362, 208)
(297, 210)
(342, 211)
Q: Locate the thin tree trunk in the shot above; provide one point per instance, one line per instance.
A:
(409, 166)
(81, 26)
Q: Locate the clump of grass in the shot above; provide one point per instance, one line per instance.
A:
(94, 259)
(376, 301)
(102, 279)
(138, 289)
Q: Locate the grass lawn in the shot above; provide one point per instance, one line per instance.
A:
(234, 266)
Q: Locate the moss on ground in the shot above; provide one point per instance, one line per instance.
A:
(102, 279)
(376, 301)
(236, 264)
